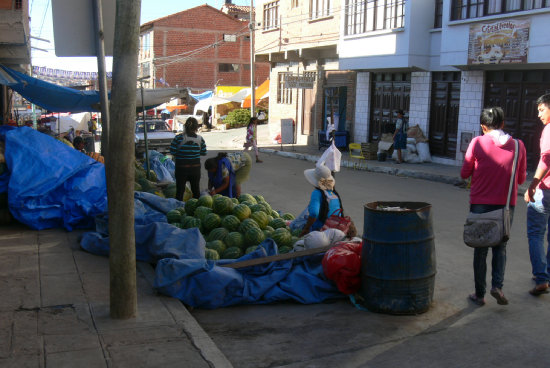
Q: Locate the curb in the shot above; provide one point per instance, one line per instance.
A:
(200, 339)
(371, 168)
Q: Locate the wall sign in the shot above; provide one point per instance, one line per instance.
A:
(299, 81)
(502, 42)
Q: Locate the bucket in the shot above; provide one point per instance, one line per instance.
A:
(382, 156)
(398, 257)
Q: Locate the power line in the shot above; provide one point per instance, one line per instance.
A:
(44, 18)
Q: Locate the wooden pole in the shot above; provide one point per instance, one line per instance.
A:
(120, 163)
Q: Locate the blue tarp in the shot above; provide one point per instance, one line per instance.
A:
(205, 284)
(202, 96)
(48, 95)
(51, 184)
(163, 166)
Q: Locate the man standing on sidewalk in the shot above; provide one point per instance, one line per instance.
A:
(538, 208)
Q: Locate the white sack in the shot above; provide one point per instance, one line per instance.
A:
(424, 152)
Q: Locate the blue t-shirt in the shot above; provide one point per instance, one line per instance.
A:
(315, 206)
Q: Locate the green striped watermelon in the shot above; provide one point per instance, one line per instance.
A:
(191, 222)
(218, 245)
(261, 219)
(246, 225)
(201, 212)
(190, 206)
(206, 200)
(242, 211)
(245, 197)
(257, 207)
(231, 223)
(250, 249)
(181, 210)
(259, 198)
(269, 228)
(218, 233)
(277, 223)
(232, 253)
(288, 216)
(173, 216)
(275, 214)
(211, 254)
(284, 249)
(282, 237)
(222, 205)
(211, 221)
(234, 239)
(254, 236)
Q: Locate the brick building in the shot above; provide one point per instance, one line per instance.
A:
(198, 48)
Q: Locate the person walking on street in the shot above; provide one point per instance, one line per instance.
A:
(537, 197)
(489, 161)
(400, 135)
(187, 148)
(251, 137)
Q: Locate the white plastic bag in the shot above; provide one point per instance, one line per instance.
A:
(424, 151)
(331, 158)
(411, 147)
(316, 239)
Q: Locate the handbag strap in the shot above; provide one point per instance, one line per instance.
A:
(516, 153)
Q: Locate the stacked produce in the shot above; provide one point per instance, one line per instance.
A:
(142, 184)
(233, 227)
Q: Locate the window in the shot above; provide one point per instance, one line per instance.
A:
(146, 45)
(284, 95)
(228, 68)
(319, 9)
(271, 15)
(18, 4)
(145, 69)
(466, 9)
(438, 13)
(294, 4)
(372, 15)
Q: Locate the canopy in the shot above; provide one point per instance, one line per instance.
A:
(203, 105)
(202, 96)
(262, 91)
(64, 99)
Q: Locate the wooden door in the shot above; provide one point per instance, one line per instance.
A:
(444, 108)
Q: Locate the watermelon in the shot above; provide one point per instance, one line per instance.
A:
(170, 190)
(267, 233)
(246, 198)
(257, 207)
(206, 200)
(181, 210)
(242, 211)
(250, 249)
(232, 253)
(282, 237)
(146, 185)
(284, 249)
(246, 225)
(211, 254)
(277, 223)
(294, 239)
(269, 218)
(218, 245)
(275, 214)
(234, 239)
(296, 232)
(217, 196)
(267, 206)
(269, 228)
(261, 219)
(137, 187)
(201, 212)
(222, 205)
(235, 201)
(191, 222)
(190, 206)
(231, 222)
(254, 236)
(288, 216)
(259, 198)
(153, 176)
(218, 233)
(173, 216)
(211, 221)
(176, 224)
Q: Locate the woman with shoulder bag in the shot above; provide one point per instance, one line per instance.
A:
(489, 161)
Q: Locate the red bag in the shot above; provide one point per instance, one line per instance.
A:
(337, 221)
(342, 264)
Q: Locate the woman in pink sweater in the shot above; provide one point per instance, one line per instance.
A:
(489, 161)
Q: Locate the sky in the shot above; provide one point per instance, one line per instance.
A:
(42, 27)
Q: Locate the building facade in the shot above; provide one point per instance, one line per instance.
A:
(299, 39)
(442, 61)
(198, 48)
(14, 46)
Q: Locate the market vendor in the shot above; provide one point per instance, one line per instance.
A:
(226, 173)
(325, 200)
(78, 144)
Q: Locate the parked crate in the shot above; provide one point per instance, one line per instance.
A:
(369, 150)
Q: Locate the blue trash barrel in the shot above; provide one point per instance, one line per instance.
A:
(398, 258)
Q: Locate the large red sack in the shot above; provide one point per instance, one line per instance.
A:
(342, 264)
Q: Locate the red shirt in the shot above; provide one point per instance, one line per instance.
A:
(544, 162)
(489, 163)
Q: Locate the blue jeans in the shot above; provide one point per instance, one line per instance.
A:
(498, 263)
(538, 214)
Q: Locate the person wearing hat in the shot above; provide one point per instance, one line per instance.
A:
(324, 201)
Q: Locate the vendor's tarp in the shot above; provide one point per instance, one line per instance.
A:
(262, 91)
(50, 183)
(63, 99)
(163, 166)
(201, 96)
(78, 121)
(205, 284)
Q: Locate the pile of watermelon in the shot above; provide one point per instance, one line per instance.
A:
(234, 226)
(142, 184)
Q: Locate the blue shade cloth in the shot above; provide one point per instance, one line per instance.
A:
(202, 96)
(48, 95)
(51, 184)
(205, 284)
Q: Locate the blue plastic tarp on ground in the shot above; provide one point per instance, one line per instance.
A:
(163, 166)
(206, 284)
(51, 184)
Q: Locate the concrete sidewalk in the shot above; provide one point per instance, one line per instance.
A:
(54, 311)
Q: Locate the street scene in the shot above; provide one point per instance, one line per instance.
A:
(274, 183)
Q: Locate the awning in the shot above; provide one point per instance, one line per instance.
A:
(262, 91)
(176, 107)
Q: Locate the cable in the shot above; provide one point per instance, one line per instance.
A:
(44, 18)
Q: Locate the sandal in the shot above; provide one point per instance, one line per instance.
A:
(539, 290)
(474, 298)
(499, 296)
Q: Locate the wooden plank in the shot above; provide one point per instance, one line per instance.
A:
(278, 257)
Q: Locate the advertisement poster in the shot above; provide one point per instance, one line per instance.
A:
(502, 42)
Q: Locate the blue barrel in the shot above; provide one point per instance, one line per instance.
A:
(398, 257)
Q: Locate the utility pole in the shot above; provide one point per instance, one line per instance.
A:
(120, 163)
(252, 84)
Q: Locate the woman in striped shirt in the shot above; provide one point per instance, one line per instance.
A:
(186, 148)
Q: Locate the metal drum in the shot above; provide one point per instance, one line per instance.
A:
(398, 257)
